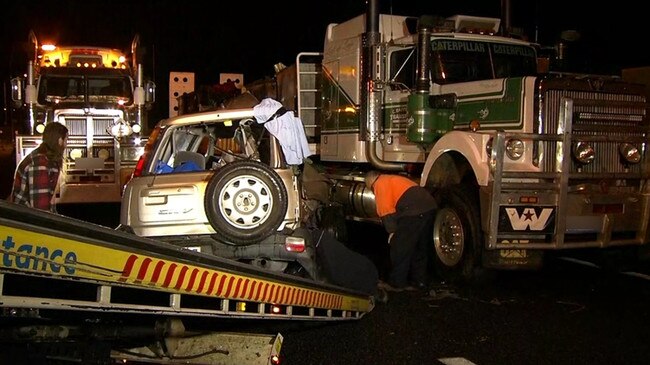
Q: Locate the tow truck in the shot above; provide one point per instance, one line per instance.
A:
(76, 291)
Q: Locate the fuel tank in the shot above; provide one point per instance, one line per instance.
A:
(357, 199)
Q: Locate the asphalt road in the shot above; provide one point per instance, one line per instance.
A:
(568, 313)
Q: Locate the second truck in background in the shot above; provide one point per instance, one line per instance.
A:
(101, 96)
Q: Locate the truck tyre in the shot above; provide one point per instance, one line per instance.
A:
(245, 202)
(457, 236)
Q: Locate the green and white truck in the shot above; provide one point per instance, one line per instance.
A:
(523, 160)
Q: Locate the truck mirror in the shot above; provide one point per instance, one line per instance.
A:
(150, 92)
(444, 101)
(17, 90)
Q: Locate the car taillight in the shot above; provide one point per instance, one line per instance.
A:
(294, 244)
(276, 360)
(146, 155)
(140, 165)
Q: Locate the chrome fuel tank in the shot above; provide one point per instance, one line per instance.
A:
(357, 199)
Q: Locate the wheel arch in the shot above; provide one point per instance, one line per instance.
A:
(456, 157)
(449, 169)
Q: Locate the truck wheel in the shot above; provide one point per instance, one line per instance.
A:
(245, 202)
(457, 236)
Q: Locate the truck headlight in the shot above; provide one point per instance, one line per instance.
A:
(629, 153)
(120, 128)
(583, 152)
(515, 149)
(104, 154)
(488, 147)
(76, 153)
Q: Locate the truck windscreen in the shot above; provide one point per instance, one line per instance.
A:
(74, 88)
(461, 60)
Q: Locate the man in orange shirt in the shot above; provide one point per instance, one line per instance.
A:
(407, 211)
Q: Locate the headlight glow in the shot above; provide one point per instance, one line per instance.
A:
(121, 130)
(76, 153)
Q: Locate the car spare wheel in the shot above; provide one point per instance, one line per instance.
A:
(245, 202)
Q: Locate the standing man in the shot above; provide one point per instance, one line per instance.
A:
(37, 175)
(407, 211)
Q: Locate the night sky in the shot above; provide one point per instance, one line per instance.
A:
(250, 37)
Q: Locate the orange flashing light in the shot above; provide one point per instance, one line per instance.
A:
(71, 56)
(474, 125)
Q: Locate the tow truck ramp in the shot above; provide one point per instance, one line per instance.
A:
(64, 280)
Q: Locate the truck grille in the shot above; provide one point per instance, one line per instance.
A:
(605, 120)
(90, 138)
(78, 126)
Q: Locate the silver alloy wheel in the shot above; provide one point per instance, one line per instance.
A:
(246, 201)
(448, 237)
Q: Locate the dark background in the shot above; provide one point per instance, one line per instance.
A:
(212, 37)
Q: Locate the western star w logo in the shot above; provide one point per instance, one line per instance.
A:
(529, 219)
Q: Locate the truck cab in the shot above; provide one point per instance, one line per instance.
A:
(100, 95)
(522, 160)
